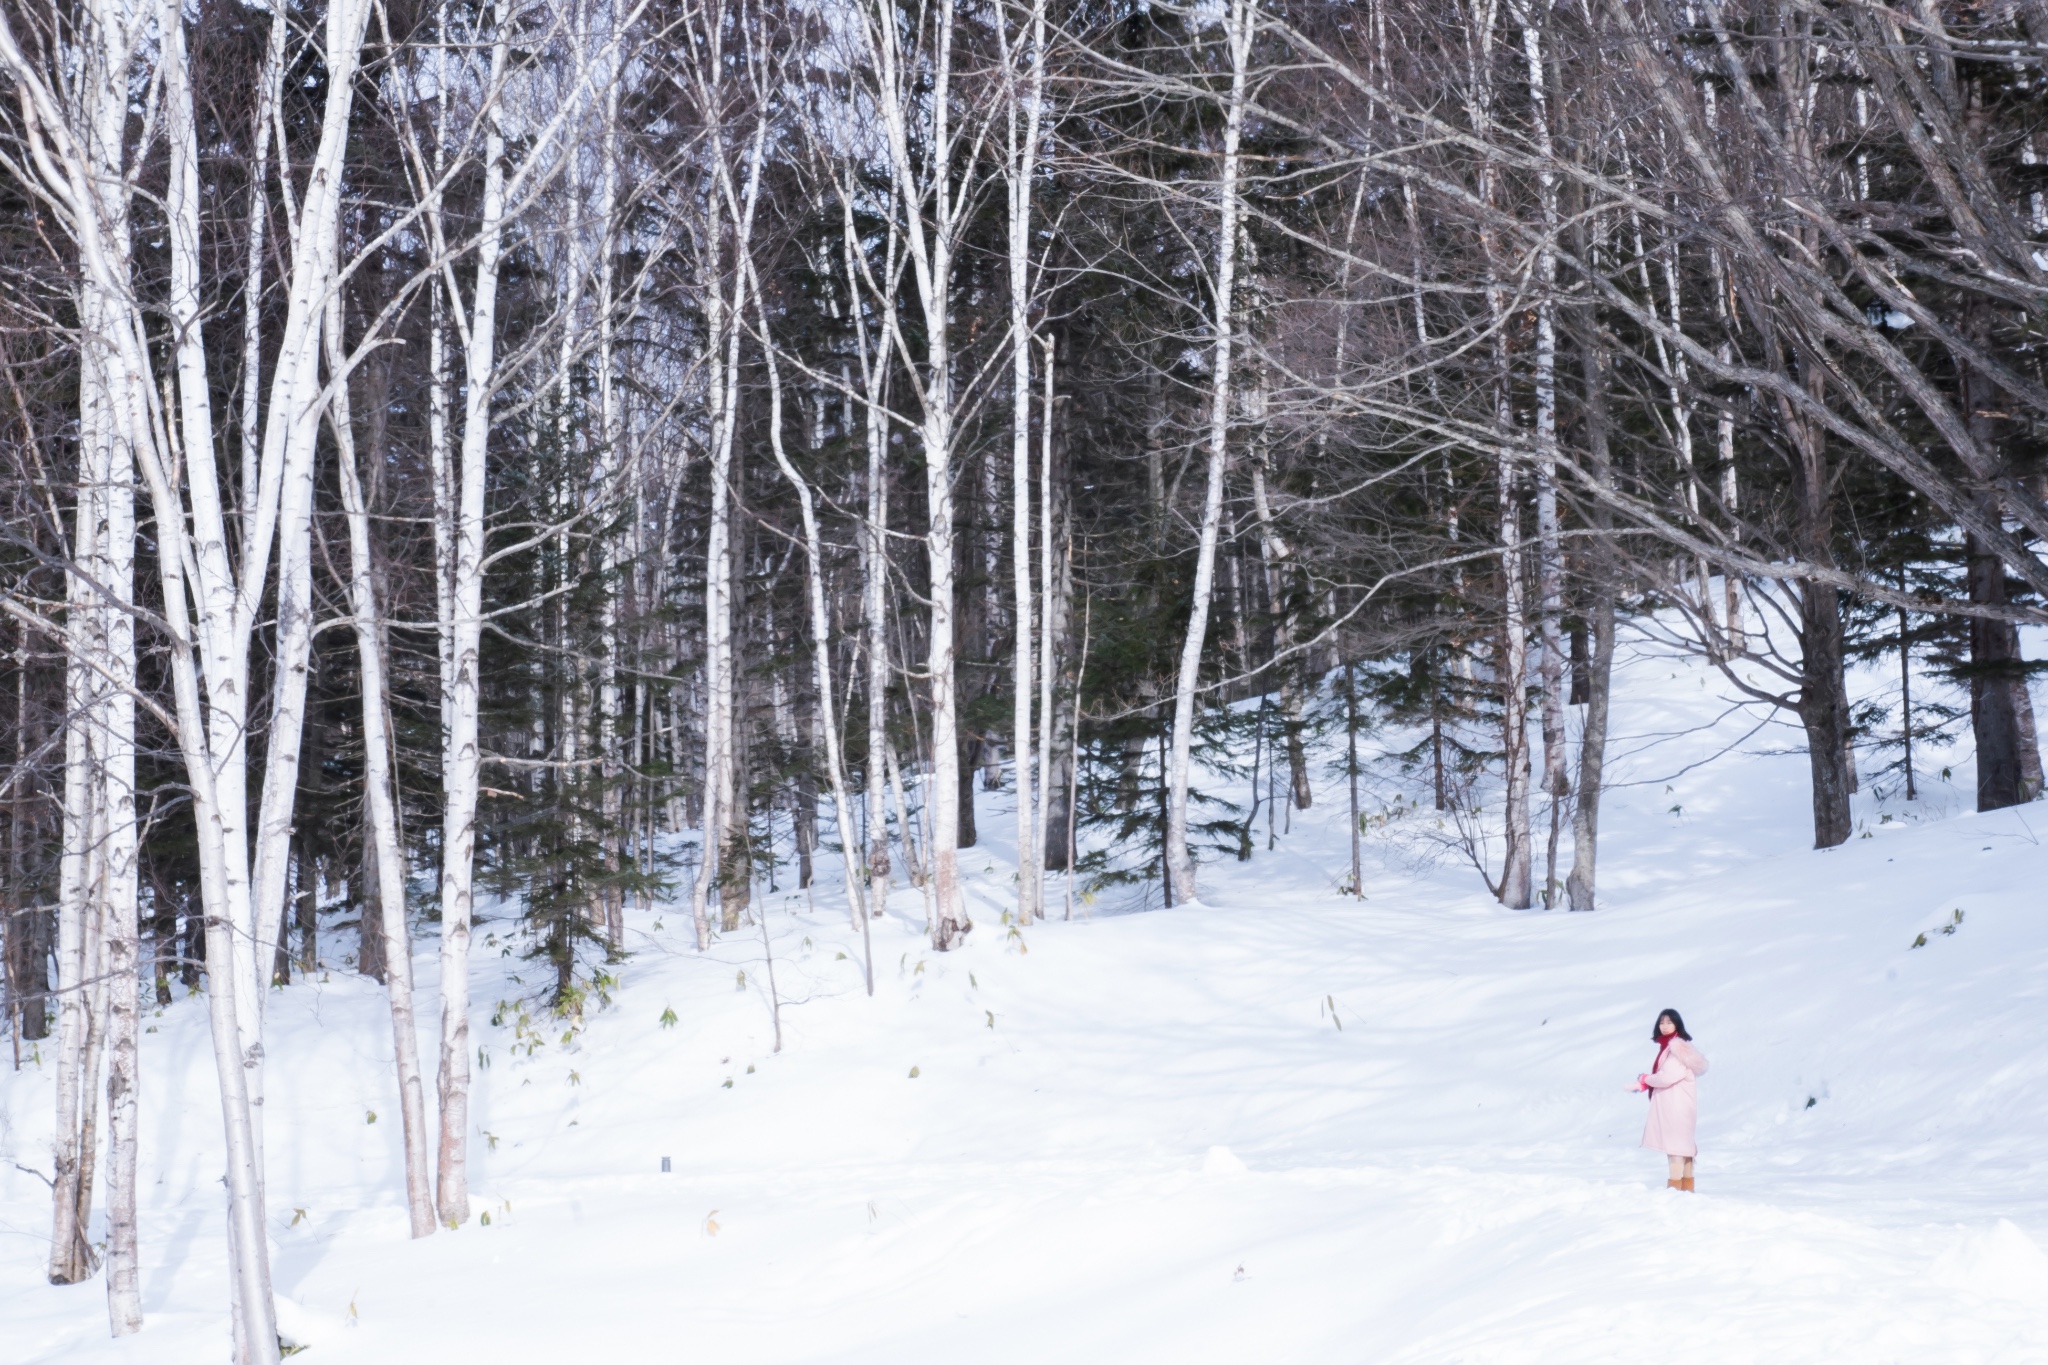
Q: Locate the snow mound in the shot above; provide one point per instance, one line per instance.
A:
(1995, 1262)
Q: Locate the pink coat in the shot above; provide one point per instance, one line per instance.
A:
(1674, 1101)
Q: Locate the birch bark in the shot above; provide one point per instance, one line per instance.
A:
(463, 764)
(908, 89)
(379, 795)
(821, 642)
(1549, 545)
(1022, 165)
(724, 805)
(292, 427)
(1180, 863)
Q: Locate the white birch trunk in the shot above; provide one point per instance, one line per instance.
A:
(67, 1238)
(1052, 625)
(875, 627)
(463, 686)
(1513, 677)
(821, 646)
(931, 245)
(294, 427)
(78, 164)
(379, 793)
(874, 539)
(1511, 657)
(1022, 164)
(1180, 862)
(724, 805)
(1549, 549)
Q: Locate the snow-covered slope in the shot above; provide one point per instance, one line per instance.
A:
(1279, 1126)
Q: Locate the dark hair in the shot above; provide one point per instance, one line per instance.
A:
(1678, 1021)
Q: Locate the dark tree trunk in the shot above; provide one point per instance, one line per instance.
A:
(970, 759)
(1580, 884)
(803, 813)
(736, 839)
(2030, 740)
(1058, 810)
(1291, 709)
(29, 930)
(1592, 670)
(1823, 704)
(163, 929)
(1582, 681)
(307, 908)
(1995, 677)
(192, 957)
(370, 925)
(2001, 713)
(1824, 712)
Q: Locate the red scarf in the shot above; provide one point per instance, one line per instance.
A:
(1663, 1045)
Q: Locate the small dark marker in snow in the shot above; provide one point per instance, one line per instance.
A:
(664, 1166)
(1240, 1274)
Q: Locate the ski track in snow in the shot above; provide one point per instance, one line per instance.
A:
(1141, 1137)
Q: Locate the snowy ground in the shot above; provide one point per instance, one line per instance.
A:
(1144, 1137)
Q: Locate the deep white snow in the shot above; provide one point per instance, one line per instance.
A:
(1144, 1137)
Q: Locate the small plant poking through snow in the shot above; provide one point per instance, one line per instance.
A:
(1955, 923)
(668, 1017)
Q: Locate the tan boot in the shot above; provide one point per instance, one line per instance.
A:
(1686, 1184)
(1674, 1184)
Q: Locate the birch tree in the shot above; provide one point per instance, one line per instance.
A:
(461, 684)
(1023, 114)
(933, 184)
(1238, 28)
(380, 796)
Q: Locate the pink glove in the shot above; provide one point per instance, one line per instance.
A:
(1643, 1081)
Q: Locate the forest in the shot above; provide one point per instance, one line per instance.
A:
(580, 455)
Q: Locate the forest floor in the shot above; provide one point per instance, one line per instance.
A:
(1283, 1125)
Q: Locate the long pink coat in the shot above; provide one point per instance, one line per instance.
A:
(1674, 1101)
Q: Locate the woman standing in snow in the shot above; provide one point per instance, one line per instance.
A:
(1674, 1100)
